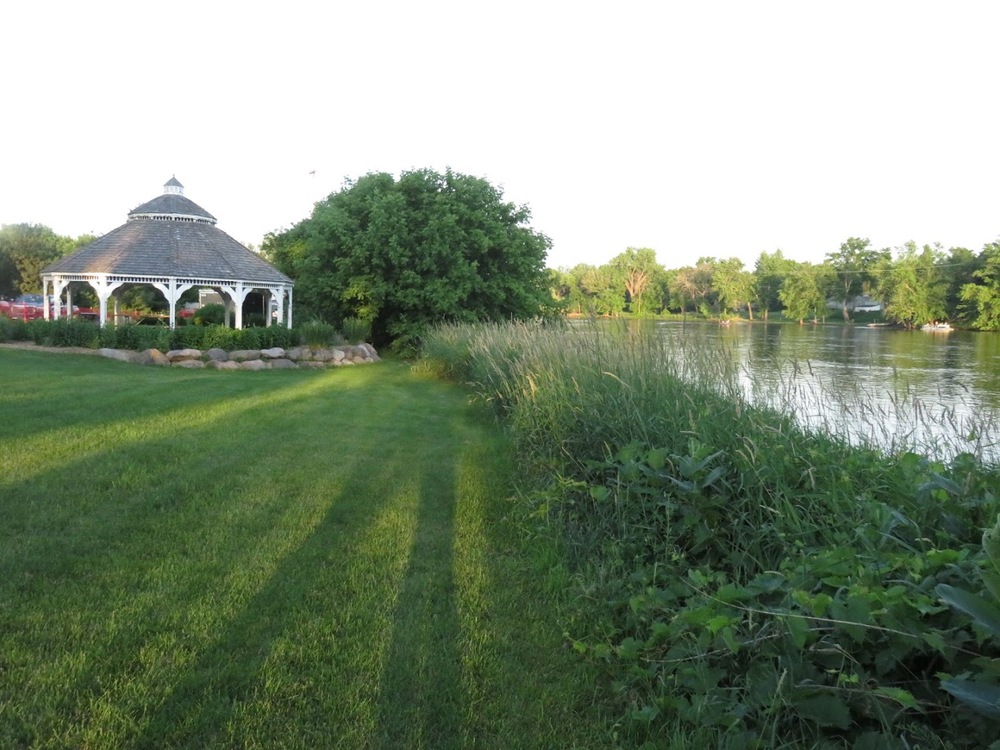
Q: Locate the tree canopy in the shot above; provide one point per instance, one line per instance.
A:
(25, 249)
(409, 252)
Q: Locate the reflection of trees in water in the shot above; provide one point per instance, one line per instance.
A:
(894, 390)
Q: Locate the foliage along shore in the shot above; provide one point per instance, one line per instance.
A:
(743, 583)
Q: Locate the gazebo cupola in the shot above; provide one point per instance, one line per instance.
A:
(171, 206)
(173, 187)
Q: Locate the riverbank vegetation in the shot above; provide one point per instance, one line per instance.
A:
(742, 583)
(288, 561)
(907, 285)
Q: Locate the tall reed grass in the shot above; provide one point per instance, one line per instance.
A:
(749, 582)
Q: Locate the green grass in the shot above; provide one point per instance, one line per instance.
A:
(296, 559)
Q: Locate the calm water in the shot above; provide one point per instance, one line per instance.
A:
(936, 393)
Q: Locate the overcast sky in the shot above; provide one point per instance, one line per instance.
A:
(694, 128)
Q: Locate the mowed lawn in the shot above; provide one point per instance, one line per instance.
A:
(283, 559)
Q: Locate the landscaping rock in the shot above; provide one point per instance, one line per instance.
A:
(227, 365)
(121, 356)
(248, 359)
(183, 355)
(151, 357)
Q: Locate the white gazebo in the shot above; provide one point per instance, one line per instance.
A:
(170, 243)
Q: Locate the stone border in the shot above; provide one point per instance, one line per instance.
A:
(249, 359)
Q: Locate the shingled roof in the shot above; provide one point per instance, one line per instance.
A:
(170, 236)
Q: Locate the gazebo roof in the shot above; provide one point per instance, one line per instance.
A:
(170, 236)
(185, 250)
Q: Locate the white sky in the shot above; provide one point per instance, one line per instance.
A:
(694, 128)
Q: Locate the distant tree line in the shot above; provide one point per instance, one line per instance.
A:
(914, 285)
(25, 249)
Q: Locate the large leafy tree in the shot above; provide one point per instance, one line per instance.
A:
(802, 291)
(604, 289)
(638, 268)
(694, 284)
(25, 249)
(983, 295)
(409, 252)
(734, 285)
(959, 269)
(770, 272)
(853, 265)
(912, 287)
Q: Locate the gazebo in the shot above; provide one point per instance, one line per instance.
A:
(170, 243)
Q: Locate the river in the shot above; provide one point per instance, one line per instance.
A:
(934, 393)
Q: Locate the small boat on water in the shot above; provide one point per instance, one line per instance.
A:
(935, 326)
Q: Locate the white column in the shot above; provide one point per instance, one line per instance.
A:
(237, 295)
(57, 289)
(172, 290)
(104, 289)
(289, 308)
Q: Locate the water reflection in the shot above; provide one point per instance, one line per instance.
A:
(938, 394)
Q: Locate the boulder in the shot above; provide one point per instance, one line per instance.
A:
(244, 355)
(299, 354)
(183, 355)
(338, 355)
(274, 353)
(311, 364)
(227, 365)
(151, 357)
(217, 355)
(254, 364)
(121, 356)
(189, 364)
(282, 364)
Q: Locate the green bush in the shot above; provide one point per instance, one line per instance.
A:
(211, 314)
(13, 330)
(134, 337)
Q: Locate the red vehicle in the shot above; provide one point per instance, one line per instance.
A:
(25, 307)
(28, 307)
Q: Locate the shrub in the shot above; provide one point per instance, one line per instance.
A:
(356, 330)
(134, 337)
(317, 334)
(73, 332)
(211, 314)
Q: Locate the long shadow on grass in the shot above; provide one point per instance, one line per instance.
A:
(420, 700)
(206, 701)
